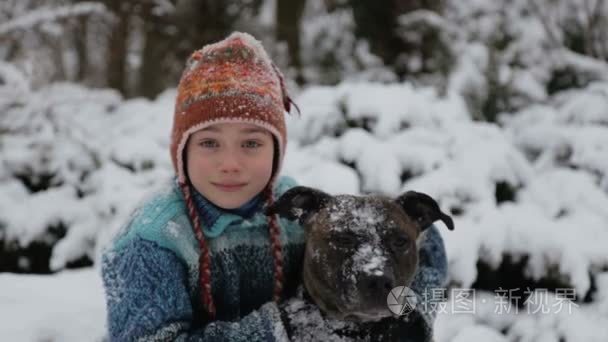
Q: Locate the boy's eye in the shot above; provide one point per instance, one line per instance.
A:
(209, 143)
(251, 144)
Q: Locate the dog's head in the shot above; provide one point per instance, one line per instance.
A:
(358, 248)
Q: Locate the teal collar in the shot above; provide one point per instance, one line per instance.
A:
(215, 220)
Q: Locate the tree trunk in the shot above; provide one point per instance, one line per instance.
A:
(383, 40)
(56, 55)
(117, 47)
(152, 78)
(288, 18)
(377, 21)
(80, 42)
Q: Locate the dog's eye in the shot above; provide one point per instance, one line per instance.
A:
(400, 241)
(345, 240)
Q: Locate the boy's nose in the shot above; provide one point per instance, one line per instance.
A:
(230, 163)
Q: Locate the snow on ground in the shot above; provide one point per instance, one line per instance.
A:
(68, 306)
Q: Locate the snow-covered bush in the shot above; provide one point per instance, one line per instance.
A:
(330, 50)
(74, 161)
(514, 53)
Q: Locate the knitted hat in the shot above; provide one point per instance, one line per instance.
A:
(231, 81)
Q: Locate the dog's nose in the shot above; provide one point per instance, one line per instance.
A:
(377, 284)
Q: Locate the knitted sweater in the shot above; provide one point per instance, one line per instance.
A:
(150, 275)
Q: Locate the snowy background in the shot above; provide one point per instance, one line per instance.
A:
(517, 156)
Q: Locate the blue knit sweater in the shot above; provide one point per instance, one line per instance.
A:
(150, 273)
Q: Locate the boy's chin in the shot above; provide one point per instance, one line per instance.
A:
(227, 205)
(234, 200)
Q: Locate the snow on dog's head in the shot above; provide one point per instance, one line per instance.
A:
(358, 248)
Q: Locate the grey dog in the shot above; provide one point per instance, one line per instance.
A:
(358, 248)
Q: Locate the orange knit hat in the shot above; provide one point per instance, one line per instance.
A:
(232, 80)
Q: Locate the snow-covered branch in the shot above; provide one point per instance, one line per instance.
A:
(45, 15)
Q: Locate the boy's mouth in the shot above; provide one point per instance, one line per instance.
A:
(229, 187)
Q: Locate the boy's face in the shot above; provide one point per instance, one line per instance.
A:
(230, 163)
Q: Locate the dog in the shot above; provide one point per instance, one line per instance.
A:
(358, 248)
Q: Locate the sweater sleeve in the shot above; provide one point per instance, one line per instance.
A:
(432, 263)
(148, 299)
(429, 281)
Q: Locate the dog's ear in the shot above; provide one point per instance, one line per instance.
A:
(299, 203)
(423, 209)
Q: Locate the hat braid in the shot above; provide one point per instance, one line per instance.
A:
(204, 261)
(275, 245)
